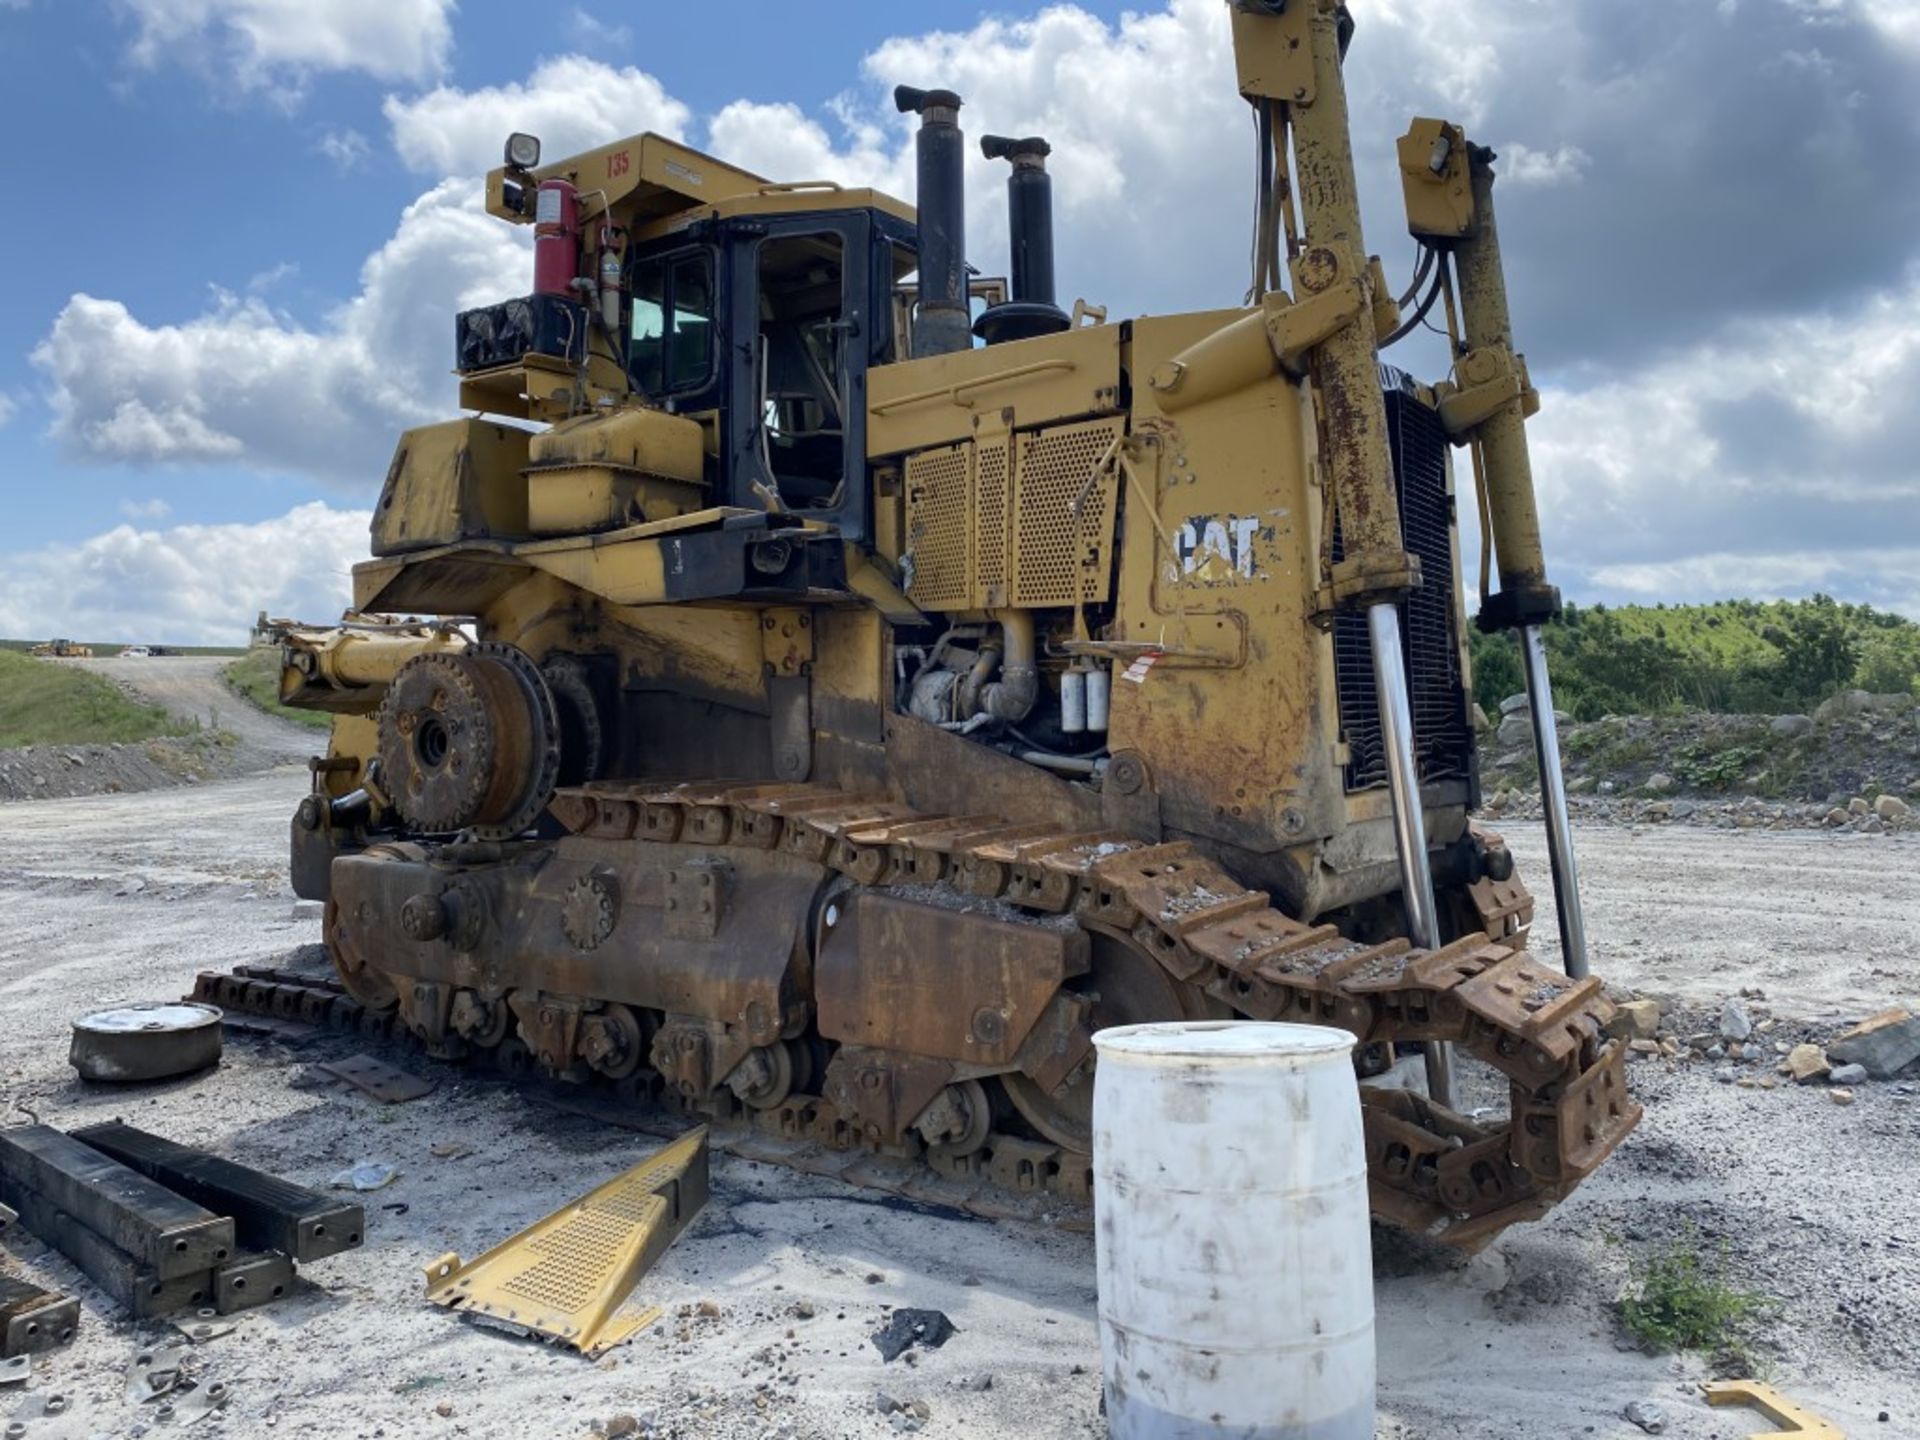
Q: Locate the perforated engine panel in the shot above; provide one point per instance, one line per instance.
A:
(940, 527)
(980, 538)
(1063, 515)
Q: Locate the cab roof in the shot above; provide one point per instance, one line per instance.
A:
(654, 185)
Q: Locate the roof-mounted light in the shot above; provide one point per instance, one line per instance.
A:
(523, 151)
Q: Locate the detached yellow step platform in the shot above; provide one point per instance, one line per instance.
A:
(1795, 1422)
(565, 1277)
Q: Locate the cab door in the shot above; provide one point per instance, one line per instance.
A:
(803, 332)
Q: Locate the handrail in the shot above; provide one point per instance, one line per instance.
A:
(955, 391)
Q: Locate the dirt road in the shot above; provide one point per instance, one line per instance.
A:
(192, 688)
(128, 896)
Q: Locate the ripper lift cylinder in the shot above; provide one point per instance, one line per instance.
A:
(1525, 599)
(941, 323)
(1377, 569)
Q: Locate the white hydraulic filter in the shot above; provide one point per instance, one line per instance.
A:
(1234, 1254)
(1073, 702)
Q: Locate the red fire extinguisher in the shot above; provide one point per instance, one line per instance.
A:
(556, 238)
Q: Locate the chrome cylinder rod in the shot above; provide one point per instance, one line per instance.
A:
(1409, 813)
(1553, 800)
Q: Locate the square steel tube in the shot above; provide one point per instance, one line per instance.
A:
(167, 1232)
(134, 1285)
(268, 1213)
(33, 1319)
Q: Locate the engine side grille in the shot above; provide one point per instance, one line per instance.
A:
(1442, 736)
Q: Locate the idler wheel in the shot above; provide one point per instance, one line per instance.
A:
(470, 741)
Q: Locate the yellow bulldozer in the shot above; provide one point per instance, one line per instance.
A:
(792, 695)
(61, 650)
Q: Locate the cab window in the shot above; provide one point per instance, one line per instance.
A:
(672, 335)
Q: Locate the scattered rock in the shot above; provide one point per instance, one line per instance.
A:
(908, 1327)
(707, 1310)
(886, 1404)
(1885, 1044)
(1791, 726)
(1636, 1020)
(1660, 810)
(1846, 1074)
(1647, 1415)
(1807, 1063)
(1859, 702)
(803, 1310)
(1644, 1047)
(1840, 1096)
(874, 1277)
(1838, 816)
(1682, 809)
(618, 1425)
(970, 1280)
(1735, 1022)
(1514, 705)
(1658, 782)
(1515, 730)
(443, 1409)
(307, 910)
(1716, 1052)
(1857, 806)
(1726, 1075)
(1481, 724)
(1580, 785)
(1892, 807)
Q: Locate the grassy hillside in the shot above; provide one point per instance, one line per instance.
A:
(1733, 656)
(47, 704)
(256, 675)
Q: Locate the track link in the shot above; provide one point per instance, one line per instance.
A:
(1430, 1170)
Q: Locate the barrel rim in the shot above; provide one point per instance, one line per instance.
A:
(1222, 1039)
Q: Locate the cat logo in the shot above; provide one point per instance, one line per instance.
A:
(1217, 549)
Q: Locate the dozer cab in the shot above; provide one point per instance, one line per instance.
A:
(792, 695)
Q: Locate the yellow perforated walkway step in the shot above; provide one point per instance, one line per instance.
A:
(564, 1278)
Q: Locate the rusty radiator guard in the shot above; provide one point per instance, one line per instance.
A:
(564, 1278)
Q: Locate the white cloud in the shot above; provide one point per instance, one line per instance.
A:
(7, 406)
(590, 32)
(572, 103)
(153, 509)
(244, 381)
(1523, 165)
(1674, 432)
(1882, 576)
(280, 42)
(347, 149)
(188, 584)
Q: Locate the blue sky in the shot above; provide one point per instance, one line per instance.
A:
(233, 281)
(204, 184)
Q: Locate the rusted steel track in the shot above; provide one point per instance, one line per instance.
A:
(1432, 1170)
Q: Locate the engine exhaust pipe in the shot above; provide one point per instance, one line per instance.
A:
(941, 323)
(1032, 310)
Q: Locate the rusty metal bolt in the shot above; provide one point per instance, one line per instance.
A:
(1317, 269)
(423, 917)
(989, 1026)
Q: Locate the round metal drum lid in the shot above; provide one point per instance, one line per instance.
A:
(146, 1041)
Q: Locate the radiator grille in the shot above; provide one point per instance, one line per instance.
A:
(1442, 736)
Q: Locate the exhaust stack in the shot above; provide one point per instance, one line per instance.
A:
(1032, 310)
(940, 325)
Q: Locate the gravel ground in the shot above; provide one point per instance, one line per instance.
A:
(126, 897)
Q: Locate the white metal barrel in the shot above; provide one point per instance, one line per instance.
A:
(1235, 1260)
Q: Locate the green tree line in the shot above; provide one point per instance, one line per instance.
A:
(1733, 656)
